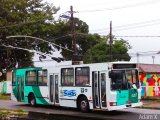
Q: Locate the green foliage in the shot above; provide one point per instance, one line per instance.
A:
(24, 17)
(35, 18)
(100, 52)
(62, 30)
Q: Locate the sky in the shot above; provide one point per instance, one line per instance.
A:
(137, 19)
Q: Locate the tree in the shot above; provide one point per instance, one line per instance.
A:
(35, 18)
(24, 17)
(62, 30)
(100, 52)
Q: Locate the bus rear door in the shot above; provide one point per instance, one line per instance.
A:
(20, 88)
(99, 89)
(54, 94)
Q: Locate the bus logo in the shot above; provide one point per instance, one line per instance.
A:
(134, 95)
(69, 93)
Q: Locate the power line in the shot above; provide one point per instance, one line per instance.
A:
(132, 25)
(138, 23)
(139, 36)
(144, 54)
(33, 51)
(145, 36)
(148, 53)
(121, 7)
(135, 27)
(20, 36)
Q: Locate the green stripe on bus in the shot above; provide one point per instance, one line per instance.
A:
(38, 95)
(122, 97)
(14, 89)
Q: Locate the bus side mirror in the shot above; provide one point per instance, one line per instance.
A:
(110, 74)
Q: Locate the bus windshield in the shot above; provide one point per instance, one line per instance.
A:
(124, 79)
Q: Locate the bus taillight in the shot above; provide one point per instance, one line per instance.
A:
(129, 101)
(112, 103)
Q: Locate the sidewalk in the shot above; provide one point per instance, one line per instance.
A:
(151, 104)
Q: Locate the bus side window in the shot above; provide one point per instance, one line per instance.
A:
(45, 72)
(42, 77)
(67, 78)
(31, 77)
(82, 76)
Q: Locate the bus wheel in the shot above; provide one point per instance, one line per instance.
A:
(32, 100)
(83, 104)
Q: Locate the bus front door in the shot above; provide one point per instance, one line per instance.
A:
(99, 89)
(103, 98)
(54, 96)
(20, 88)
(96, 90)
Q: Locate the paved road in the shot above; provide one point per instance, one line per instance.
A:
(127, 114)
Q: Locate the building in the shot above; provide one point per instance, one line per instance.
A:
(150, 79)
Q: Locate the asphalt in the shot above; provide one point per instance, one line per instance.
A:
(60, 113)
(151, 104)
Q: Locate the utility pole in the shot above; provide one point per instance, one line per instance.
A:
(153, 57)
(137, 57)
(75, 57)
(73, 35)
(111, 41)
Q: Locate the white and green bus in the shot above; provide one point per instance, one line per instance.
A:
(107, 86)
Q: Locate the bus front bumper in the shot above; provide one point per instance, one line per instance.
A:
(120, 107)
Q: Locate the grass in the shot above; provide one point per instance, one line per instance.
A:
(5, 97)
(7, 114)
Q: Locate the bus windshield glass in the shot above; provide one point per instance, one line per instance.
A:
(124, 79)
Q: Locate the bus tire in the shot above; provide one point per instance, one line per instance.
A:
(83, 104)
(32, 100)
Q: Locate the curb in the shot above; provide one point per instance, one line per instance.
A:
(143, 107)
(50, 116)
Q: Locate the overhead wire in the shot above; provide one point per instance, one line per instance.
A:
(130, 26)
(147, 36)
(25, 49)
(147, 53)
(25, 36)
(135, 27)
(121, 7)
